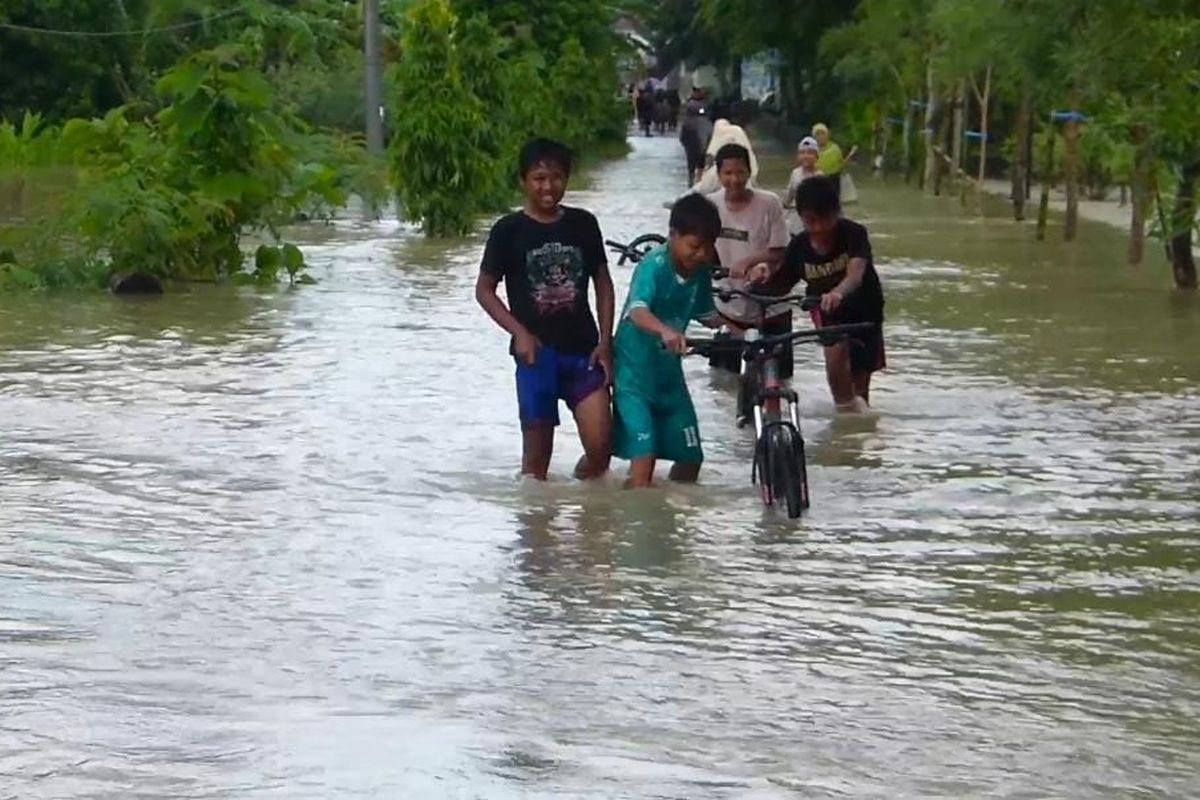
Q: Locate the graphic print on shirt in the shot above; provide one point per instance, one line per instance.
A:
(815, 272)
(554, 270)
(736, 234)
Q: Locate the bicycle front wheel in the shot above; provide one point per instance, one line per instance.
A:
(789, 477)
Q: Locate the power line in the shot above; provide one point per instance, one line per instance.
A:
(113, 34)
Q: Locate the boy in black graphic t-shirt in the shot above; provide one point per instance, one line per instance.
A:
(547, 254)
(833, 258)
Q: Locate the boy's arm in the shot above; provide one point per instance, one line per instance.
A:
(789, 198)
(704, 310)
(642, 291)
(672, 339)
(856, 268)
(606, 305)
(491, 271)
(525, 344)
(859, 251)
(606, 296)
(777, 243)
(606, 302)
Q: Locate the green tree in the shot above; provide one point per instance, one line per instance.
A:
(794, 28)
(1137, 65)
(882, 52)
(437, 162)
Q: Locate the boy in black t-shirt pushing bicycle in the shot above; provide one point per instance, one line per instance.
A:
(832, 255)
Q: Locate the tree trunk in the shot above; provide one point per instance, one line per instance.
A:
(907, 132)
(883, 152)
(1047, 178)
(1183, 219)
(1021, 162)
(943, 129)
(984, 97)
(1071, 174)
(960, 101)
(878, 136)
(1139, 193)
(735, 78)
(931, 161)
(1029, 153)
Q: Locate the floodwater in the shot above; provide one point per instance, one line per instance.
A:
(271, 544)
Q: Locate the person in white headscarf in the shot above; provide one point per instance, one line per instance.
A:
(724, 132)
(806, 167)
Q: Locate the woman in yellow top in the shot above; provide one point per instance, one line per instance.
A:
(831, 162)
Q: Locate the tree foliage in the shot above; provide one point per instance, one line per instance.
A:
(438, 127)
(470, 88)
(173, 194)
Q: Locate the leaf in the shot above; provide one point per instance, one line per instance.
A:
(184, 81)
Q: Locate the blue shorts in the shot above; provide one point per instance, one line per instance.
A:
(552, 377)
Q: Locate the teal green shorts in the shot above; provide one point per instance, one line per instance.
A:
(659, 427)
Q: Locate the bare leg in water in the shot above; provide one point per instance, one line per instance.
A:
(593, 417)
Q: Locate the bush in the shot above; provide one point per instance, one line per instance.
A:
(466, 98)
(438, 161)
(174, 194)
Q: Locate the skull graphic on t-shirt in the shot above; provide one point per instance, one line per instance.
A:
(554, 271)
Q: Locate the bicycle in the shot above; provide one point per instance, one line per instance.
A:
(637, 249)
(780, 468)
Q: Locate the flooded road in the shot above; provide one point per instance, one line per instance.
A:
(271, 545)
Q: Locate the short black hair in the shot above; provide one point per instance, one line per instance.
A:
(695, 215)
(731, 150)
(818, 195)
(547, 151)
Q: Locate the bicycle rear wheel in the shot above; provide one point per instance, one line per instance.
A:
(642, 245)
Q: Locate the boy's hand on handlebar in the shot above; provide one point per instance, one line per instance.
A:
(741, 270)
(759, 273)
(830, 301)
(674, 341)
(526, 345)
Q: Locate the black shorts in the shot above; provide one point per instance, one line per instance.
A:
(732, 362)
(867, 353)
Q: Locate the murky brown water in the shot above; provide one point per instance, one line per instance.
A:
(271, 544)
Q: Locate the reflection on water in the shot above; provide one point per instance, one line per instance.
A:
(271, 544)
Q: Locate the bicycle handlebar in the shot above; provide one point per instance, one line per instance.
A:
(808, 302)
(826, 336)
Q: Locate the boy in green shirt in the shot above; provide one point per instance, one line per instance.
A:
(654, 416)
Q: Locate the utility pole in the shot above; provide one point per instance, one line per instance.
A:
(374, 70)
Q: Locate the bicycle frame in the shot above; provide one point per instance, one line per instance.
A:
(772, 393)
